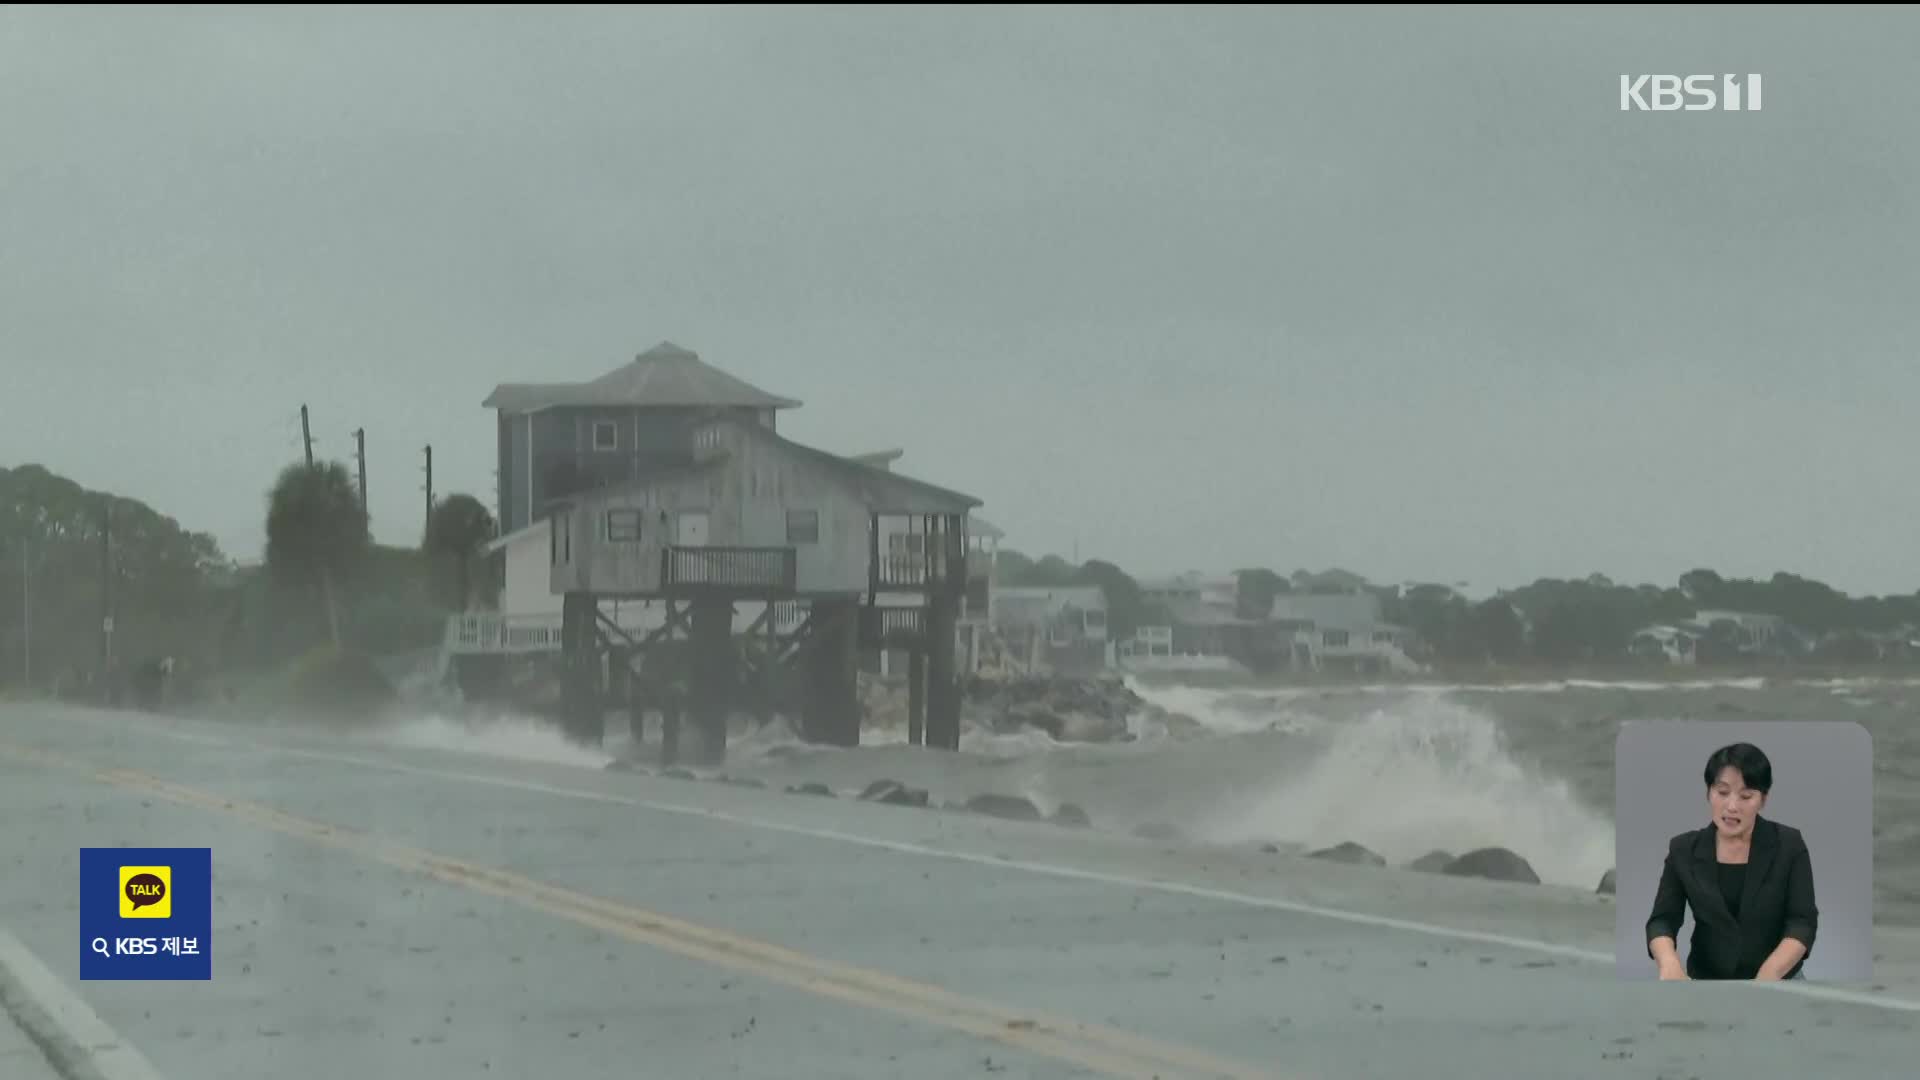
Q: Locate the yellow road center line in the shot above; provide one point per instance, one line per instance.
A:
(1103, 1049)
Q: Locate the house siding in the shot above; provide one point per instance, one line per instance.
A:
(504, 510)
(746, 498)
(528, 573)
(514, 491)
(563, 437)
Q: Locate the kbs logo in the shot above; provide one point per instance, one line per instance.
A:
(1693, 93)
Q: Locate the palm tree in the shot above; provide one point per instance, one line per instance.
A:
(316, 531)
(457, 529)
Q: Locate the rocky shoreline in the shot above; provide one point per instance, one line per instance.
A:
(1491, 863)
(1065, 709)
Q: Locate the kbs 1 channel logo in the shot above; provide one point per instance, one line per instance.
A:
(146, 913)
(1690, 93)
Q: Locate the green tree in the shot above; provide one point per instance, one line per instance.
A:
(316, 532)
(1020, 571)
(1126, 607)
(54, 535)
(1497, 630)
(1703, 586)
(1254, 592)
(457, 529)
(1580, 620)
(1438, 616)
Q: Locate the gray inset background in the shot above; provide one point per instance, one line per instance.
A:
(1822, 785)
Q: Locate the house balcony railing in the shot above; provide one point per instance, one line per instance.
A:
(892, 625)
(902, 569)
(740, 570)
(911, 570)
(492, 632)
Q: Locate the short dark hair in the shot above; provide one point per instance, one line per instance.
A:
(1746, 757)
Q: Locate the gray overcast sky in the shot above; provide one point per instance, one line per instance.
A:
(1397, 290)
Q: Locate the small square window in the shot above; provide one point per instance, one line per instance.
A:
(803, 526)
(623, 526)
(606, 435)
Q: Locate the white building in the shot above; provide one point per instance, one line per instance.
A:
(1343, 630)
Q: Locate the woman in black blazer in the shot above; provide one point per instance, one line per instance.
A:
(1749, 882)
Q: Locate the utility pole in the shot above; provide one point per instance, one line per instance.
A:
(360, 456)
(429, 521)
(106, 589)
(306, 435)
(26, 613)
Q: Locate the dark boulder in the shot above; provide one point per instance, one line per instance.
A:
(1011, 807)
(1606, 884)
(1071, 814)
(893, 793)
(1068, 709)
(1495, 863)
(1349, 852)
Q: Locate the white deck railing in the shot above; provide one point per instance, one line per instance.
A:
(497, 633)
(493, 632)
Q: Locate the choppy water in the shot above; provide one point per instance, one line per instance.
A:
(1400, 770)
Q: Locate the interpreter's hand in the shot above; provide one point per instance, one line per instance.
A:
(1674, 973)
(1766, 976)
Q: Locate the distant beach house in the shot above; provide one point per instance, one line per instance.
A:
(1756, 635)
(1673, 644)
(1198, 627)
(1343, 631)
(1220, 591)
(1328, 622)
(1062, 629)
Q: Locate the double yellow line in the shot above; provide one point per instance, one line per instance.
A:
(1102, 1049)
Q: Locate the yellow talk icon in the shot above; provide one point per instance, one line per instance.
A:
(146, 892)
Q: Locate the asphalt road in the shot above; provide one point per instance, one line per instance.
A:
(385, 911)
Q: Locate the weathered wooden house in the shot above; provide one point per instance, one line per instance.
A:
(555, 439)
(751, 508)
(664, 489)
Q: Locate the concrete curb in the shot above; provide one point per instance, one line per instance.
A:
(22, 1055)
(78, 1045)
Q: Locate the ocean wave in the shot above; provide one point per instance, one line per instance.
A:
(1424, 773)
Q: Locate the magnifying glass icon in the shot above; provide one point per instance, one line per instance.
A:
(100, 946)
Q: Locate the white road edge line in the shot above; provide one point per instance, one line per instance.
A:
(1824, 993)
(77, 1029)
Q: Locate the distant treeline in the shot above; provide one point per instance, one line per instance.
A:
(1591, 619)
(71, 557)
(1595, 619)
